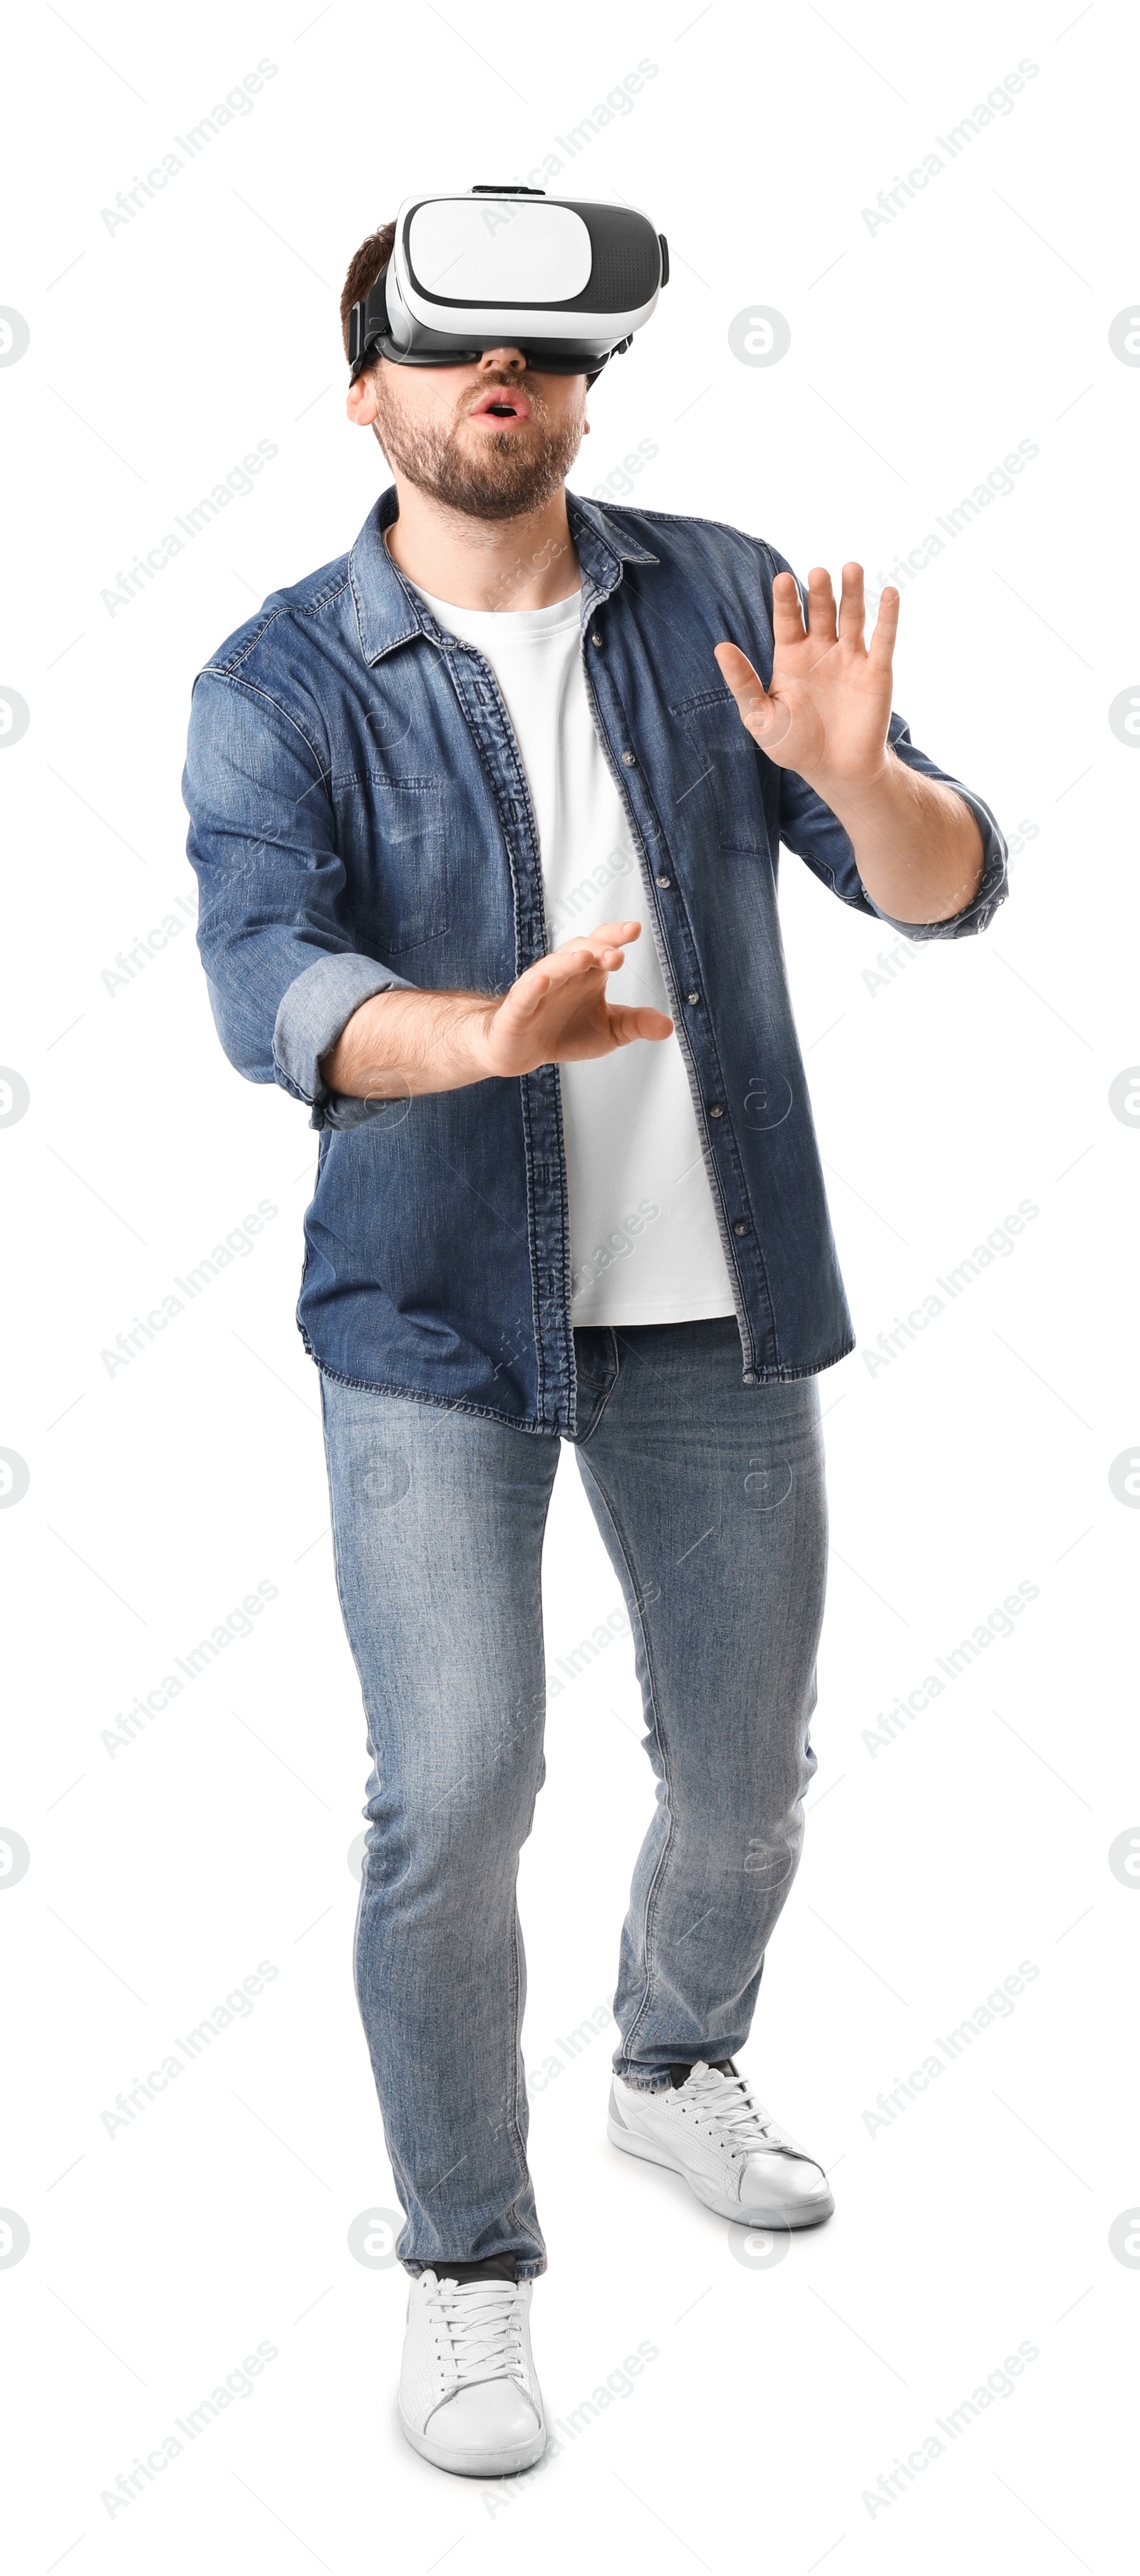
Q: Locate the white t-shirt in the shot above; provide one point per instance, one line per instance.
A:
(645, 1247)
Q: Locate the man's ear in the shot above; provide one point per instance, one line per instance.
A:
(360, 401)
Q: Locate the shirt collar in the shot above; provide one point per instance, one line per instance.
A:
(388, 611)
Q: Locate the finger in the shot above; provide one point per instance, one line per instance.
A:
(590, 957)
(745, 683)
(609, 934)
(567, 966)
(787, 622)
(821, 605)
(528, 995)
(626, 1025)
(882, 642)
(852, 607)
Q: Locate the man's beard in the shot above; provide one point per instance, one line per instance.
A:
(518, 472)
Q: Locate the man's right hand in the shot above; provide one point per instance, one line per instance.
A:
(402, 1043)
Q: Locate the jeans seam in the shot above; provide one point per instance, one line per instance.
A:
(510, 2217)
(581, 1437)
(403, 2192)
(360, 1677)
(647, 1997)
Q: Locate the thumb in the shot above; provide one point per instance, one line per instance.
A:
(746, 684)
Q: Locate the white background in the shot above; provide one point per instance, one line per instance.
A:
(976, 1076)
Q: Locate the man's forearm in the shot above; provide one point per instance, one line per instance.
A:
(399, 1043)
(917, 845)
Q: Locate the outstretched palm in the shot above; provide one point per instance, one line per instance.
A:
(827, 708)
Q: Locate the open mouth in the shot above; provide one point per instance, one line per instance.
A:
(502, 405)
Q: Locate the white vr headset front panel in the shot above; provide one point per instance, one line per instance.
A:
(493, 251)
(509, 263)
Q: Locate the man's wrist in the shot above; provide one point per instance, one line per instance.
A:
(835, 787)
(457, 1046)
(401, 1043)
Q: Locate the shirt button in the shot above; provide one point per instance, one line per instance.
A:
(595, 639)
(692, 997)
(740, 1227)
(716, 1111)
(664, 880)
(628, 759)
(750, 1377)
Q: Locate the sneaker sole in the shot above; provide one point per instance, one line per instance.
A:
(797, 2214)
(484, 2464)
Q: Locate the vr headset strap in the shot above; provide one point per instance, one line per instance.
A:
(368, 320)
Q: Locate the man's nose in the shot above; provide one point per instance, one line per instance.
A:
(499, 358)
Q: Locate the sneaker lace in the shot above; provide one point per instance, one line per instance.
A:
(482, 2330)
(727, 2104)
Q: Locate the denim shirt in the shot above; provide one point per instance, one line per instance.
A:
(361, 820)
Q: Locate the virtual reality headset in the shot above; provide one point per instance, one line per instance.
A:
(566, 282)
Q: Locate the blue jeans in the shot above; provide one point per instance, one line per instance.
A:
(709, 1496)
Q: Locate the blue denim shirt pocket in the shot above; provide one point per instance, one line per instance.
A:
(727, 784)
(397, 831)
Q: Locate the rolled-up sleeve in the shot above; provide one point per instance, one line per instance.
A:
(282, 973)
(809, 827)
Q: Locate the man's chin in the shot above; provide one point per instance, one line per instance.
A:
(485, 474)
(479, 500)
(500, 483)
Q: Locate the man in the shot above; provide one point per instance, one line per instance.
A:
(486, 818)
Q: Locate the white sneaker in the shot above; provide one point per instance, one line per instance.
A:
(712, 2130)
(469, 2399)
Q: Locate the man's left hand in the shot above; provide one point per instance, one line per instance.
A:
(827, 707)
(826, 713)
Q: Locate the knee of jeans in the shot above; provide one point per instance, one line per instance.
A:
(770, 1859)
(456, 1822)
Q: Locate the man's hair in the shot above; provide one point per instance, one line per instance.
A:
(363, 270)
